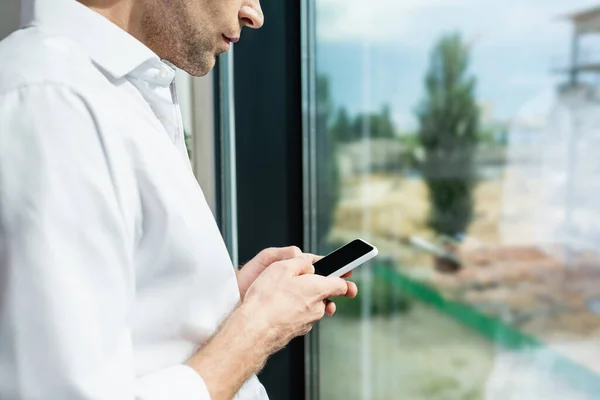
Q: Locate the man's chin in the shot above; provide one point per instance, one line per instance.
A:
(219, 52)
(201, 68)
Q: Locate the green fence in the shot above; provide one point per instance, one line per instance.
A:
(501, 333)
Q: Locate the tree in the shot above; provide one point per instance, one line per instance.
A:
(448, 132)
(380, 125)
(342, 127)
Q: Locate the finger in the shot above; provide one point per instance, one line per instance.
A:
(347, 275)
(331, 287)
(352, 290)
(330, 308)
(274, 254)
(320, 288)
(300, 265)
(314, 258)
(287, 253)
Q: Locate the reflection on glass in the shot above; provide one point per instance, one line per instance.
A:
(462, 139)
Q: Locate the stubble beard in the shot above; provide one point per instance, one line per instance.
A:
(171, 34)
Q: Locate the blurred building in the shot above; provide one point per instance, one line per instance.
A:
(583, 69)
(384, 155)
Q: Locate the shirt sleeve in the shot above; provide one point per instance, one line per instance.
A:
(67, 282)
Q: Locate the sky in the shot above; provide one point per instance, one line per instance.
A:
(376, 52)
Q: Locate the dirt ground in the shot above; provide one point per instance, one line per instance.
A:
(388, 208)
(396, 206)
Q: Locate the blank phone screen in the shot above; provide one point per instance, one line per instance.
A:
(341, 257)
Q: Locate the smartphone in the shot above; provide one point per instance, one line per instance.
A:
(345, 259)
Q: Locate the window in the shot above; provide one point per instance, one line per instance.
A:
(460, 137)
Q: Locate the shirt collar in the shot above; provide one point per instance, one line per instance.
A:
(110, 47)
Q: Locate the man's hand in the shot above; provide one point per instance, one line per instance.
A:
(248, 274)
(289, 298)
(283, 302)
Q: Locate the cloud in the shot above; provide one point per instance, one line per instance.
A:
(534, 112)
(371, 21)
(418, 23)
(520, 79)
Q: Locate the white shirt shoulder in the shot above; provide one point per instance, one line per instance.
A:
(48, 60)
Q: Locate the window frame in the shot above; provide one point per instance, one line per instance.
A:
(269, 157)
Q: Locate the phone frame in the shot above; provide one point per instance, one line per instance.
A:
(357, 262)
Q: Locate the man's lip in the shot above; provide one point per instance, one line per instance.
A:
(234, 39)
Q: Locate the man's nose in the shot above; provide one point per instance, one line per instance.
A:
(251, 15)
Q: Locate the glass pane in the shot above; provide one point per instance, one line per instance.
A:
(462, 139)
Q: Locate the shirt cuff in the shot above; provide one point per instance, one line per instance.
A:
(174, 383)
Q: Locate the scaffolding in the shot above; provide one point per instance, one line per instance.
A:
(585, 23)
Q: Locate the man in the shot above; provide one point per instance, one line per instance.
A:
(114, 280)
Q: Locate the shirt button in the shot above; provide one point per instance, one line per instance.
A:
(163, 75)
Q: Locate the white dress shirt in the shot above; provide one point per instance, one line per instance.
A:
(112, 269)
